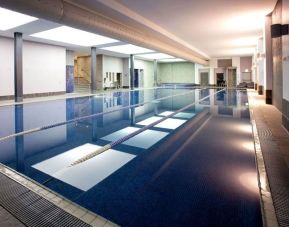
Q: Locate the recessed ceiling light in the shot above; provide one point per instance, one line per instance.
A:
(155, 56)
(74, 36)
(10, 19)
(240, 51)
(245, 41)
(246, 22)
(128, 49)
(172, 60)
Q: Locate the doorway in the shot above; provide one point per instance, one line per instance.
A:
(232, 77)
(220, 79)
(136, 78)
(204, 78)
(118, 80)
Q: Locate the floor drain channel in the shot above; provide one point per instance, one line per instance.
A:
(31, 209)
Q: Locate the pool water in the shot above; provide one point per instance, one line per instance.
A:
(137, 182)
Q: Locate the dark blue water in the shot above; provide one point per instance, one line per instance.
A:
(131, 193)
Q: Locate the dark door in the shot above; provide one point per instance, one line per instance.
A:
(136, 78)
(118, 79)
(220, 79)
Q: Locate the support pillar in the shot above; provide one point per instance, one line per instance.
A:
(69, 71)
(94, 120)
(93, 69)
(132, 116)
(155, 73)
(261, 65)
(269, 60)
(70, 114)
(18, 67)
(131, 71)
(19, 140)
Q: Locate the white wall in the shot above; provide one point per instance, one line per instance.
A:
(285, 50)
(43, 68)
(112, 64)
(125, 72)
(121, 65)
(261, 63)
(213, 65)
(236, 63)
(199, 69)
(176, 72)
(6, 67)
(148, 69)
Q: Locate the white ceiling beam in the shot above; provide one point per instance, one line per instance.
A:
(64, 12)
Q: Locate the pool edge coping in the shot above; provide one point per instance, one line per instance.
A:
(61, 202)
(269, 217)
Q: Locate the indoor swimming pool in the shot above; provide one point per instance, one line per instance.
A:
(192, 168)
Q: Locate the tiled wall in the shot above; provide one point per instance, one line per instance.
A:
(280, 55)
(285, 69)
(285, 114)
(277, 59)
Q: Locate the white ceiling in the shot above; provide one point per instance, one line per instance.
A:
(211, 28)
(44, 25)
(215, 27)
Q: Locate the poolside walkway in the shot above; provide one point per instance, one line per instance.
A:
(274, 141)
(7, 220)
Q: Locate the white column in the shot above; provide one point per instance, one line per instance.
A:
(197, 78)
(236, 63)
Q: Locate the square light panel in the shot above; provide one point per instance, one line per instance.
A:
(143, 140)
(128, 49)
(156, 56)
(184, 115)
(86, 174)
(172, 60)
(11, 19)
(74, 36)
(169, 123)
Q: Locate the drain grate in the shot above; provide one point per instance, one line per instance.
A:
(265, 133)
(278, 177)
(31, 209)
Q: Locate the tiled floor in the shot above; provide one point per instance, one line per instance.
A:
(274, 141)
(77, 213)
(269, 123)
(7, 220)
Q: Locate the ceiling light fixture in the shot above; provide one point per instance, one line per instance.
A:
(172, 60)
(245, 41)
(156, 56)
(241, 51)
(10, 19)
(246, 22)
(127, 49)
(73, 36)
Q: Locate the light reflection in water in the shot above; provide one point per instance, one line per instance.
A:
(249, 181)
(249, 146)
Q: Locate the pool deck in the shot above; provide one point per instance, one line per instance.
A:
(274, 142)
(64, 96)
(36, 205)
